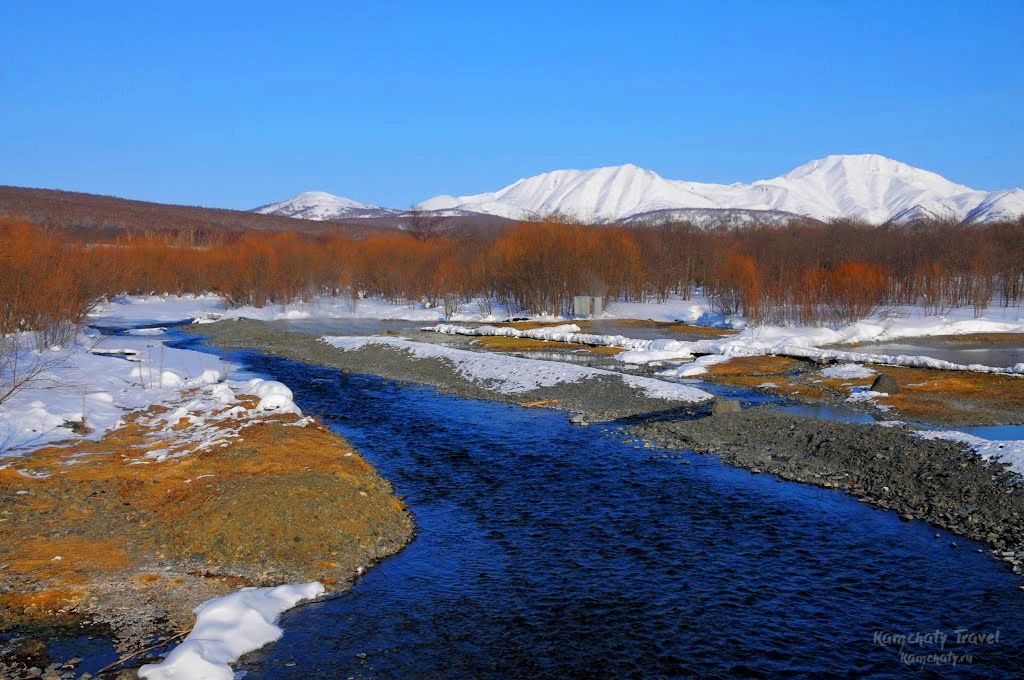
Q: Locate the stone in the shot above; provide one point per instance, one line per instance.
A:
(578, 420)
(885, 384)
(725, 406)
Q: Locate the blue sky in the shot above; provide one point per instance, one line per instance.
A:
(390, 103)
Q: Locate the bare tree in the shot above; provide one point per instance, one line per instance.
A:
(422, 225)
(21, 368)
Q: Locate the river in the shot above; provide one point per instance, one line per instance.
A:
(546, 550)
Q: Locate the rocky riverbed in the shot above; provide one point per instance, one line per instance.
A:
(603, 398)
(942, 482)
(939, 481)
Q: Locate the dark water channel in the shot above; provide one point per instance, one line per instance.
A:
(546, 550)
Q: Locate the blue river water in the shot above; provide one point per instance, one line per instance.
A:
(550, 551)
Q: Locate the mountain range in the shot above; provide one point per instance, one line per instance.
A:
(866, 186)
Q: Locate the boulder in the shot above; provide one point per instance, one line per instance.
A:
(885, 384)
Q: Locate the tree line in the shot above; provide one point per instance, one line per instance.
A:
(798, 273)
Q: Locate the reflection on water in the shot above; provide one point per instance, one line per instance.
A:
(551, 551)
(828, 412)
(985, 354)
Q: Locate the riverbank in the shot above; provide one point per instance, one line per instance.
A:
(599, 394)
(941, 482)
(932, 397)
(125, 535)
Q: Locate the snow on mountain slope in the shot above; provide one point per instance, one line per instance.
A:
(866, 186)
(320, 205)
(712, 217)
(999, 205)
(599, 194)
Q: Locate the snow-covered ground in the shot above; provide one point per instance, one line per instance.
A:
(102, 377)
(226, 628)
(1005, 451)
(127, 311)
(515, 375)
(892, 324)
(98, 379)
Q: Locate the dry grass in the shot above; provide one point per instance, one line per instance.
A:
(278, 503)
(756, 366)
(945, 397)
(778, 375)
(956, 396)
(668, 327)
(529, 325)
(498, 343)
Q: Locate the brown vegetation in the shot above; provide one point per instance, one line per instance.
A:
(498, 343)
(955, 397)
(280, 503)
(926, 396)
(800, 273)
(87, 216)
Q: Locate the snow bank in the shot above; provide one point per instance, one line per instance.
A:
(698, 366)
(696, 311)
(139, 310)
(800, 342)
(571, 333)
(101, 384)
(847, 371)
(564, 333)
(1004, 451)
(514, 375)
(226, 628)
(331, 307)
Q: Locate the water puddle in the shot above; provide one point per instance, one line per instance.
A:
(986, 354)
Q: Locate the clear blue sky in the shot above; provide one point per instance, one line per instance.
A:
(390, 103)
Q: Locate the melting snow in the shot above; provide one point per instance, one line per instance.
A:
(226, 628)
(513, 375)
(846, 371)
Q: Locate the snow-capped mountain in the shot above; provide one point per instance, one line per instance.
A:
(712, 217)
(867, 186)
(322, 206)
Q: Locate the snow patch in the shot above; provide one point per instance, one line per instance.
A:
(847, 371)
(515, 375)
(1010, 452)
(226, 628)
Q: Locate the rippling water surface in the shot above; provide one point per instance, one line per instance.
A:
(546, 550)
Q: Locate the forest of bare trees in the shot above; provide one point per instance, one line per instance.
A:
(800, 273)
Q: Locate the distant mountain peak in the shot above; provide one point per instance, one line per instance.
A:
(868, 186)
(323, 206)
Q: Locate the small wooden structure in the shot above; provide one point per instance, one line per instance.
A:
(588, 305)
